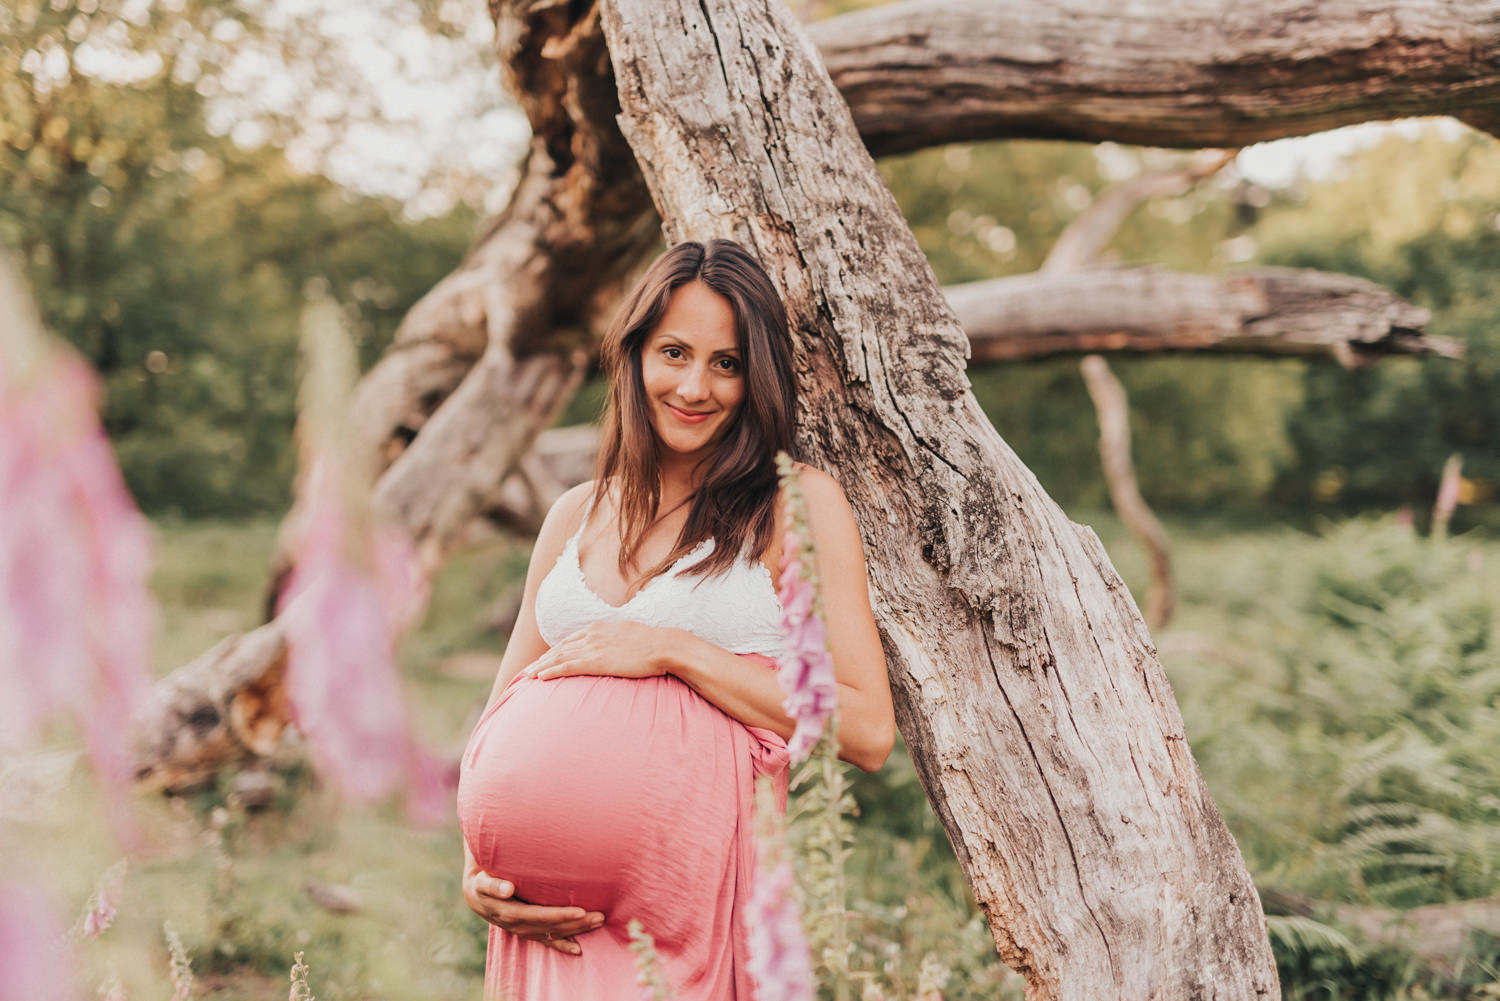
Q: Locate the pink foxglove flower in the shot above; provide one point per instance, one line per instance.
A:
(75, 612)
(778, 958)
(341, 607)
(34, 954)
(353, 588)
(102, 907)
(806, 667)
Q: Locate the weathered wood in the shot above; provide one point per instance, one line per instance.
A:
(225, 708)
(1261, 311)
(1187, 74)
(1028, 689)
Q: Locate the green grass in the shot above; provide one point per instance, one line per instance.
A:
(1337, 691)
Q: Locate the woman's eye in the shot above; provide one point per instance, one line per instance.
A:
(730, 364)
(673, 353)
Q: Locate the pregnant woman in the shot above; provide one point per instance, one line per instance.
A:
(610, 776)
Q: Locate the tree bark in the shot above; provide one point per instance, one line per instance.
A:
(1028, 689)
(1261, 311)
(1189, 74)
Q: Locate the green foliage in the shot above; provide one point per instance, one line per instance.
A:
(1368, 688)
(175, 258)
(1377, 437)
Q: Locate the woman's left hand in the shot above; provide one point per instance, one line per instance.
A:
(616, 649)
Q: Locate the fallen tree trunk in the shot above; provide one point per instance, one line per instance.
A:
(1028, 690)
(1261, 311)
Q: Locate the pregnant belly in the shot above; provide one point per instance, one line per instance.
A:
(599, 791)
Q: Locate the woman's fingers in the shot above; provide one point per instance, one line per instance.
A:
(494, 886)
(532, 920)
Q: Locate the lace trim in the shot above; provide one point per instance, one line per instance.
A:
(576, 563)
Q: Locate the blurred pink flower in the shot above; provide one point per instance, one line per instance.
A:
(806, 667)
(349, 595)
(34, 955)
(75, 611)
(778, 957)
(101, 912)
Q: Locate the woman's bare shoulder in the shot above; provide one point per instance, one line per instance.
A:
(818, 485)
(566, 514)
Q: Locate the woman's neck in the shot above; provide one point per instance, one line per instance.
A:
(678, 478)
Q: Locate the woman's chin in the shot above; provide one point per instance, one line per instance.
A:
(685, 447)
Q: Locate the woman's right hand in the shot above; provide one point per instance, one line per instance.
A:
(493, 899)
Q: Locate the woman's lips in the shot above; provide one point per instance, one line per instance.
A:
(689, 418)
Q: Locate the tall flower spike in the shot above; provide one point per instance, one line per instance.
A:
(75, 610)
(806, 667)
(102, 907)
(353, 587)
(778, 958)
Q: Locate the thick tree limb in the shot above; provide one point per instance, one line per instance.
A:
(225, 708)
(1192, 74)
(1041, 723)
(1261, 311)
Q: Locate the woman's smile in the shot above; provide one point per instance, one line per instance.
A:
(689, 416)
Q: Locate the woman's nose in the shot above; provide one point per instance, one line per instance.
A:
(694, 384)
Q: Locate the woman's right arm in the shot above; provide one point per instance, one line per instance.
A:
(526, 644)
(487, 894)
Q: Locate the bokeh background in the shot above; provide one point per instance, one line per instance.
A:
(177, 178)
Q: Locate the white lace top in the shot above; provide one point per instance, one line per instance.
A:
(737, 610)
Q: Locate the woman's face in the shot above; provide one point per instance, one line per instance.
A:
(692, 371)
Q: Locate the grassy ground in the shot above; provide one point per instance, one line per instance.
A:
(242, 890)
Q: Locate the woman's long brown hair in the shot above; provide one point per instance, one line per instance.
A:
(736, 499)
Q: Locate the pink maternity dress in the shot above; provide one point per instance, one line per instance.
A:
(628, 796)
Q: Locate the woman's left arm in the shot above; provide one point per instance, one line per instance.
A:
(744, 688)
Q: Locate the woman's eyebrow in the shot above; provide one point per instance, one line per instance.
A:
(682, 343)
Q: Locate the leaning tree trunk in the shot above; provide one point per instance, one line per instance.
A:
(1028, 689)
